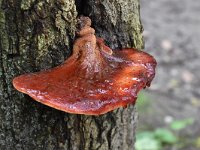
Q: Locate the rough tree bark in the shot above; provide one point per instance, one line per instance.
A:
(38, 34)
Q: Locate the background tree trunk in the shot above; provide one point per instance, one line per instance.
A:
(38, 34)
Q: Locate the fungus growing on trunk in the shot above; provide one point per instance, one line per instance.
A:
(94, 80)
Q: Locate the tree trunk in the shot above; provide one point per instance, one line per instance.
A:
(38, 34)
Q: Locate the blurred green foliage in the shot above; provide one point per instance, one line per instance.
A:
(162, 137)
(159, 138)
(181, 124)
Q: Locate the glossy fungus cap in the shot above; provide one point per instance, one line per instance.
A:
(94, 80)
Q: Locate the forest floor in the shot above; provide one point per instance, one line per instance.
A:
(172, 36)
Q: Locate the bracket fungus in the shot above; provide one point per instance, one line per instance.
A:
(94, 80)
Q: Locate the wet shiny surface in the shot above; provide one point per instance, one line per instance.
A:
(92, 81)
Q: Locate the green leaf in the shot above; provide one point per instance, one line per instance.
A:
(147, 141)
(143, 134)
(166, 136)
(181, 124)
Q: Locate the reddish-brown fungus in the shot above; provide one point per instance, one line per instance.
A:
(94, 80)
